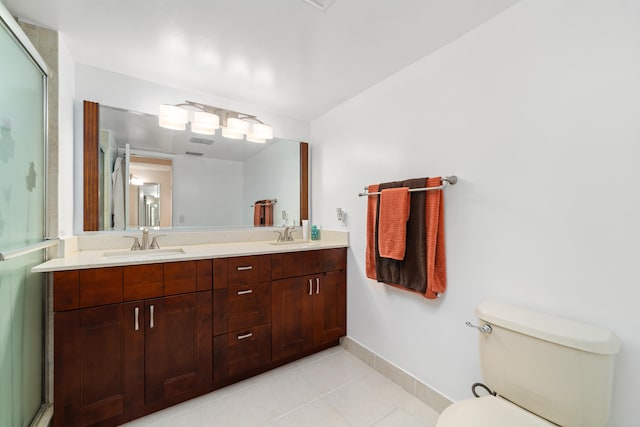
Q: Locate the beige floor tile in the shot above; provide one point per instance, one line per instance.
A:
(367, 400)
(418, 409)
(331, 388)
(334, 371)
(314, 414)
(402, 418)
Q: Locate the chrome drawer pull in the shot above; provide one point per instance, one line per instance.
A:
(136, 312)
(245, 268)
(241, 337)
(310, 287)
(249, 291)
(317, 285)
(151, 320)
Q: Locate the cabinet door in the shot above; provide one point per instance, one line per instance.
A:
(291, 317)
(329, 307)
(89, 358)
(178, 346)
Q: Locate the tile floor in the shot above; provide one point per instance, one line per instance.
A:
(330, 388)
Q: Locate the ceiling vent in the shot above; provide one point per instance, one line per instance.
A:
(320, 4)
(193, 153)
(201, 140)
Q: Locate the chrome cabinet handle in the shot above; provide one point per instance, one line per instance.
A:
(485, 329)
(310, 286)
(241, 337)
(245, 268)
(317, 285)
(151, 313)
(136, 312)
(249, 291)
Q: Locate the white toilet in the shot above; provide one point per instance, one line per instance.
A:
(546, 371)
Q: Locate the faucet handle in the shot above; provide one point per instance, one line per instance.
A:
(154, 242)
(280, 236)
(136, 243)
(287, 233)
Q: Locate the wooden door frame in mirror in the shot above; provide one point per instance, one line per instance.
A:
(304, 181)
(91, 122)
(90, 167)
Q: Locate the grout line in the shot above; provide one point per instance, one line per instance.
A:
(322, 396)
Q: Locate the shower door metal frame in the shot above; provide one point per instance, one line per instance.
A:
(43, 416)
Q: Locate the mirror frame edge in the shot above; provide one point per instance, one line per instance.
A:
(91, 133)
(304, 181)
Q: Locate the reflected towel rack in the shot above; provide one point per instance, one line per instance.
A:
(272, 202)
(445, 181)
(14, 253)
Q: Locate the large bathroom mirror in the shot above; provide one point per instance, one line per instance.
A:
(137, 174)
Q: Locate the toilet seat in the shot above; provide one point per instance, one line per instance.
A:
(489, 411)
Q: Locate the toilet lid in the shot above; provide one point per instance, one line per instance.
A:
(489, 411)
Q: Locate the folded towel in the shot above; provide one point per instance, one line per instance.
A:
(392, 225)
(436, 258)
(411, 272)
(372, 212)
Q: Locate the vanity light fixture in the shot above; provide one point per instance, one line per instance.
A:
(205, 119)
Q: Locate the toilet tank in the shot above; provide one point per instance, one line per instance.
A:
(558, 369)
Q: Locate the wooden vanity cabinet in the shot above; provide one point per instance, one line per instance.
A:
(308, 311)
(242, 319)
(130, 340)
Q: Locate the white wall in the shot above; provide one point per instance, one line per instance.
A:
(208, 191)
(538, 113)
(117, 90)
(274, 173)
(66, 89)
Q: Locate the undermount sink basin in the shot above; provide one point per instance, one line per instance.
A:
(295, 242)
(144, 253)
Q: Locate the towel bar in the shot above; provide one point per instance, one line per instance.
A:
(273, 202)
(445, 181)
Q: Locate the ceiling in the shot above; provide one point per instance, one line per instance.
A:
(285, 56)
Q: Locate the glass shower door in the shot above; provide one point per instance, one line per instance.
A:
(22, 195)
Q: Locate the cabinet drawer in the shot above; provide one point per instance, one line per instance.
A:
(100, 286)
(143, 281)
(180, 277)
(249, 305)
(248, 349)
(242, 270)
(307, 262)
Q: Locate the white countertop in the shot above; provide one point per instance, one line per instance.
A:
(96, 258)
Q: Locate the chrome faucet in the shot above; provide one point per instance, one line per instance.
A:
(285, 235)
(145, 238)
(137, 246)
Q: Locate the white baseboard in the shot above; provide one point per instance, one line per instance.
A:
(421, 391)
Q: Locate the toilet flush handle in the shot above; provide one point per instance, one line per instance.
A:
(485, 329)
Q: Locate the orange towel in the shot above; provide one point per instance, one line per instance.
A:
(258, 213)
(268, 213)
(263, 213)
(392, 224)
(372, 208)
(436, 257)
